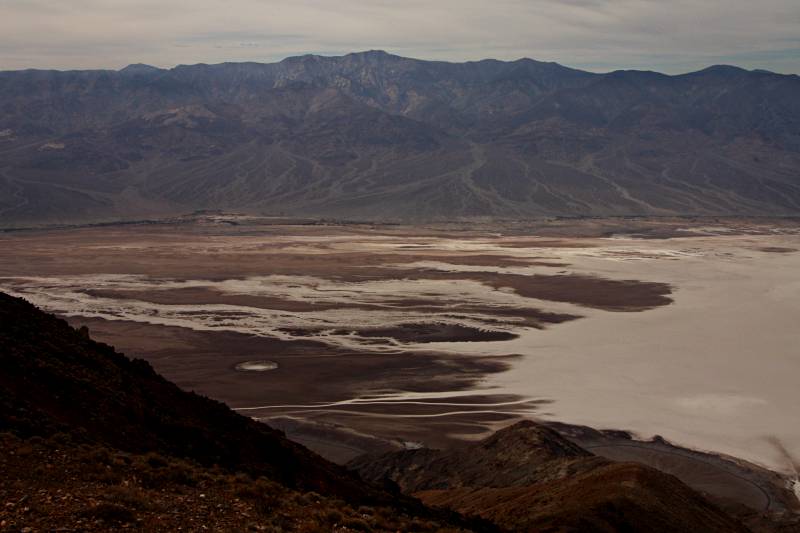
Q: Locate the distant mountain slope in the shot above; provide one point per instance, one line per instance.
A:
(376, 135)
(529, 478)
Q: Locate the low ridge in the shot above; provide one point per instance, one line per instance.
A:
(528, 477)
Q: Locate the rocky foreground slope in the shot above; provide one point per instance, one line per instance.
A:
(91, 440)
(381, 136)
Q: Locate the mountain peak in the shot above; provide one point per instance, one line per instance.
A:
(527, 436)
(721, 70)
(374, 55)
(139, 68)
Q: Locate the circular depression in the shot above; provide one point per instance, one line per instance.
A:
(256, 366)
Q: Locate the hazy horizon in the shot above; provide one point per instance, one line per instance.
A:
(594, 35)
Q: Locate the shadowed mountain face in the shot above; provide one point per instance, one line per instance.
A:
(380, 136)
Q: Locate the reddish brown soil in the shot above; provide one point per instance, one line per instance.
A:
(55, 485)
(614, 497)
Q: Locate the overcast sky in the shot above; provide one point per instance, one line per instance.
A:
(667, 35)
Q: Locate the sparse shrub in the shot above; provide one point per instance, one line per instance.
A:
(111, 513)
(106, 476)
(179, 475)
(155, 460)
(311, 527)
(313, 497)
(157, 472)
(417, 525)
(121, 459)
(24, 450)
(385, 512)
(305, 500)
(95, 455)
(336, 502)
(61, 438)
(182, 475)
(356, 524)
(8, 437)
(365, 510)
(334, 516)
(132, 497)
(240, 477)
(283, 522)
(265, 495)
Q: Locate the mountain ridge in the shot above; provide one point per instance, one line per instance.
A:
(377, 136)
(385, 54)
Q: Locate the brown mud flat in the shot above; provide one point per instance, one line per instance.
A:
(647, 228)
(310, 376)
(529, 317)
(479, 259)
(308, 372)
(204, 295)
(778, 250)
(586, 291)
(437, 333)
(186, 252)
(414, 333)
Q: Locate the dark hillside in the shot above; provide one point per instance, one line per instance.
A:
(55, 379)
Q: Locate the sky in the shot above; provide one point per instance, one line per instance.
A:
(671, 36)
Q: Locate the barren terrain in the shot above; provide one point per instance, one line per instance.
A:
(358, 338)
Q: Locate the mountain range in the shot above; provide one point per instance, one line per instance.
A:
(377, 136)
